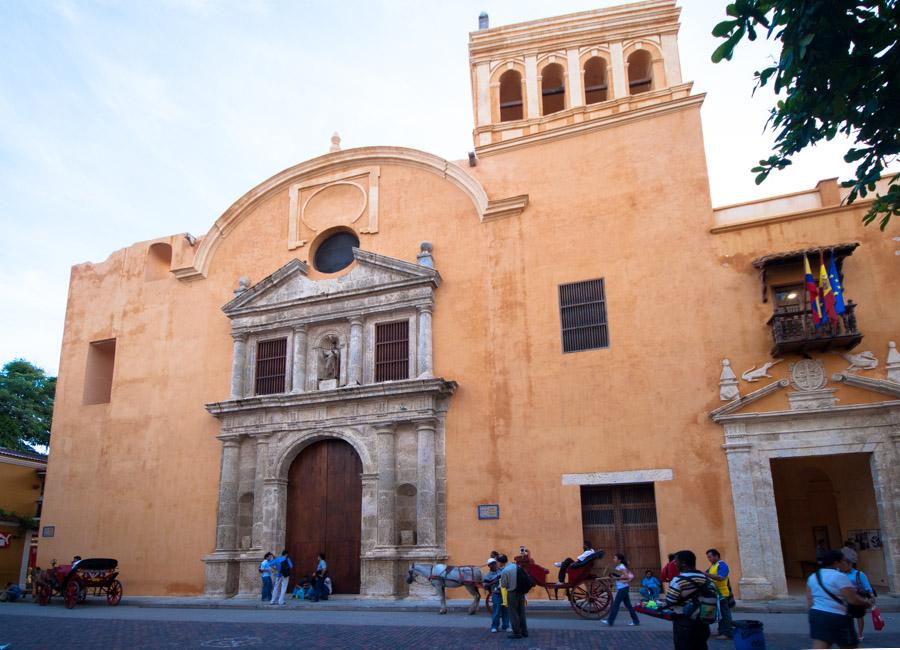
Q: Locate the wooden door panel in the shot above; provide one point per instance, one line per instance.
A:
(324, 508)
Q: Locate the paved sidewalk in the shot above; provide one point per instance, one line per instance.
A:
(355, 603)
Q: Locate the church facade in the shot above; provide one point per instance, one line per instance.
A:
(390, 357)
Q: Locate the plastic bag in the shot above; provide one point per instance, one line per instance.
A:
(877, 620)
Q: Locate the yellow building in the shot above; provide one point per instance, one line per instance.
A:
(392, 357)
(21, 485)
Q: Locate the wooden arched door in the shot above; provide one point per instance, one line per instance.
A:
(324, 510)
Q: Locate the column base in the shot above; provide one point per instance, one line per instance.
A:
(757, 589)
(222, 574)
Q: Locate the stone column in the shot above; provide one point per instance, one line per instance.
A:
(755, 583)
(262, 464)
(426, 514)
(238, 360)
(226, 528)
(886, 481)
(298, 375)
(483, 105)
(620, 76)
(387, 485)
(576, 79)
(426, 368)
(274, 500)
(532, 93)
(354, 375)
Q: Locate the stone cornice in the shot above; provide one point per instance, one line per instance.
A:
(717, 414)
(863, 409)
(759, 222)
(343, 395)
(22, 462)
(595, 124)
(877, 385)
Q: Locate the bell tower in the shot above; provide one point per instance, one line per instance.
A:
(572, 72)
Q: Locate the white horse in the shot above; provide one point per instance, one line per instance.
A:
(443, 577)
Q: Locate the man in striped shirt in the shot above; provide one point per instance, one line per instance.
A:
(689, 631)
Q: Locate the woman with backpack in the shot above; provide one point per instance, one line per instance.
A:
(863, 587)
(623, 576)
(833, 602)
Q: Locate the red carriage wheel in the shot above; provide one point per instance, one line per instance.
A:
(114, 593)
(43, 594)
(71, 594)
(590, 598)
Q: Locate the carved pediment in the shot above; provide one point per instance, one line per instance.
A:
(291, 286)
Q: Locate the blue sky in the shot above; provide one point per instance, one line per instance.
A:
(126, 121)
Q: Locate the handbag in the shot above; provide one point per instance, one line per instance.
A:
(877, 620)
(853, 611)
(731, 602)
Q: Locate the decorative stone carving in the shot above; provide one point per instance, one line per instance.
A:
(243, 285)
(893, 363)
(808, 375)
(424, 257)
(335, 142)
(862, 361)
(812, 399)
(755, 374)
(728, 383)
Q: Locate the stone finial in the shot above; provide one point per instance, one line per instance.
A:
(243, 285)
(893, 363)
(424, 256)
(335, 142)
(483, 21)
(728, 383)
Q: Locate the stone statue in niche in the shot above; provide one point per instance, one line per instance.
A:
(330, 363)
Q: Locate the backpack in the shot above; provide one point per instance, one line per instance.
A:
(524, 582)
(285, 568)
(706, 600)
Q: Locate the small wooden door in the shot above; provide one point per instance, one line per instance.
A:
(622, 519)
(324, 510)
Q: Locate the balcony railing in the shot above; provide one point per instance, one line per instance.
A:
(794, 331)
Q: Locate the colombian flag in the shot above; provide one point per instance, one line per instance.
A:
(825, 290)
(813, 291)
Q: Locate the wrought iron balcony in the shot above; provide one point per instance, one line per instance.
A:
(794, 331)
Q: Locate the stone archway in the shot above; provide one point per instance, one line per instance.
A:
(324, 511)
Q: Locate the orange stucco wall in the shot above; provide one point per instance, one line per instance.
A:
(137, 478)
(20, 488)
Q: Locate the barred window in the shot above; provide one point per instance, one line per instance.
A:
(392, 351)
(582, 311)
(271, 358)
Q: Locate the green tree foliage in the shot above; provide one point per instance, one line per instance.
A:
(839, 72)
(26, 405)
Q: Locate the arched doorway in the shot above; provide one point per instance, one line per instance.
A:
(324, 510)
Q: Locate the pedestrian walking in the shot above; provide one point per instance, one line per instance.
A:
(860, 582)
(281, 576)
(685, 595)
(513, 599)
(829, 593)
(499, 613)
(623, 576)
(718, 573)
(849, 551)
(265, 572)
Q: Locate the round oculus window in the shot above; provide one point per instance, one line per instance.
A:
(336, 252)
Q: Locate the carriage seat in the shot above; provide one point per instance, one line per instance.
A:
(597, 555)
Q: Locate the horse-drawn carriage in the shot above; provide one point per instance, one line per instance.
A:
(588, 590)
(589, 594)
(75, 582)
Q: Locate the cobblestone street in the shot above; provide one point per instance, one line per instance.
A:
(29, 627)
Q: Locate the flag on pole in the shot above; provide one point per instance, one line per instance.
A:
(813, 292)
(835, 279)
(825, 292)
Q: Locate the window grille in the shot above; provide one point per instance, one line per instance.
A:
(582, 310)
(392, 351)
(271, 358)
